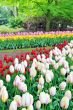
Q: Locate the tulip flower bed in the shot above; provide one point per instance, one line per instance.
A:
(36, 39)
(38, 80)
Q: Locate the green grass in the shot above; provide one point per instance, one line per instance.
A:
(25, 50)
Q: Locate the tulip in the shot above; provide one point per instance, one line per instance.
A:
(3, 89)
(17, 98)
(18, 67)
(51, 73)
(47, 66)
(40, 87)
(16, 61)
(22, 69)
(43, 70)
(64, 102)
(38, 105)
(11, 69)
(30, 107)
(27, 99)
(43, 56)
(16, 81)
(13, 105)
(48, 78)
(22, 77)
(4, 96)
(27, 57)
(41, 80)
(24, 109)
(33, 72)
(52, 91)
(63, 71)
(8, 78)
(1, 83)
(68, 94)
(42, 97)
(48, 100)
(62, 85)
(25, 63)
(39, 57)
(22, 86)
(70, 78)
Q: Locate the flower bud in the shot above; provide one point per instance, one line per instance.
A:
(38, 105)
(17, 98)
(62, 85)
(41, 80)
(7, 78)
(64, 102)
(13, 105)
(11, 69)
(4, 96)
(68, 94)
(1, 83)
(52, 91)
(63, 71)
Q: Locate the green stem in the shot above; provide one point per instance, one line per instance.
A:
(3, 108)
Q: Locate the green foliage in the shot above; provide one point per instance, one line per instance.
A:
(15, 22)
(23, 43)
(6, 29)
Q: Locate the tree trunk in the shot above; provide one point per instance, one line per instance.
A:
(48, 20)
(15, 11)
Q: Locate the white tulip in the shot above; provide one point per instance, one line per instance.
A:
(18, 67)
(43, 56)
(16, 81)
(39, 57)
(22, 86)
(22, 77)
(8, 77)
(27, 99)
(48, 78)
(4, 96)
(22, 69)
(42, 97)
(1, 83)
(64, 102)
(16, 61)
(70, 78)
(62, 85)
(51, 73)
(63, 71)
(33, 72)
(40, 87)
(13, 105)
(24, 109)
(25, 63)
(17, 98)
(52, 90)
(27, 57)
(30, 107)
(11, 69)
(47, 65)
(38, 105)
(41, 80)
(68, 94)
(48, 100)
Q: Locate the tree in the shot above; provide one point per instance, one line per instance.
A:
(46, 8)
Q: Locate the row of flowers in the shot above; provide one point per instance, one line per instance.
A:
(38, 80)
(38, 39)
(31, 35)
